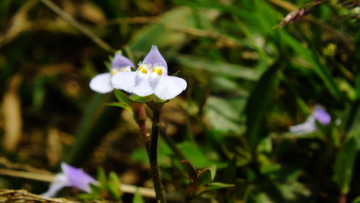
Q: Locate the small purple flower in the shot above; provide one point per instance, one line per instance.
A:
(309, 126)
(321, 115)
(151, 77)
(101, 83)
(71, 177)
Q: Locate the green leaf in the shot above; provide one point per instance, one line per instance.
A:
(356, 200)
(114, 179)
(351, 120)
(217, 185)
(230, 170)
(150, 98)
(122, 97)
(224, 113)
(108, 65)
(95, 189)
(194, 154)
(114, 186)
(344, 165)
(204, 177)
(163, 33)
(212, 172)
(258, 104)
(101, 177)
(137, 197)
(97, 120)
(357, 61)
(218, 68)
(123, 101)
(193, 174)
(319, 68)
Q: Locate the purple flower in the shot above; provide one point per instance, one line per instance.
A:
(102, 83)
(309, 126)
(321, 115)
(151, 77)
(71, 177)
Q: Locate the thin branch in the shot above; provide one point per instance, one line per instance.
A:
(146, 192)
(77, 25)
(25, 196)
(346, 39)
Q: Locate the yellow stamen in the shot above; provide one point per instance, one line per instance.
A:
(157, 70)
(142, 69)
(122, 69)
(113, 71)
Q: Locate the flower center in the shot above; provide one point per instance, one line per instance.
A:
(143, 69)
(113, 71)
(157, 70)
(120, 69)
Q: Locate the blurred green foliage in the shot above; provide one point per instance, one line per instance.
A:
(248, 81)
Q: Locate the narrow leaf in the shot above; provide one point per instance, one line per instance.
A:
(101, 177)
(204, 177)
(150, 98)
(193, 174)
(217, 185)
(137, 197)
(258, 104)
(212, 172)
(344, 165)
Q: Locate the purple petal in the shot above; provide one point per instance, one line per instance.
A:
(321, 115)
(121, 61)
(154, 57)
(77, 178)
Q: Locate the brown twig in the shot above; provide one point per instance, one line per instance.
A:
(77, 25)
(25, 196)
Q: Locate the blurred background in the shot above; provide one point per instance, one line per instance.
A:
(251, 74)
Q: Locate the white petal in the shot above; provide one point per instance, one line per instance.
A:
(169, 87)
(143, 88)
(60, 182)
(101, 83)
(124, 81)
(309, 126)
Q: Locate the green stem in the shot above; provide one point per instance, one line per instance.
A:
(155, 173)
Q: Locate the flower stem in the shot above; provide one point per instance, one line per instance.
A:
(155, 173)
(140, 117)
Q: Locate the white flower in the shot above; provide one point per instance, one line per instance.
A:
(102, 83)
(150, 78)
(309, 126)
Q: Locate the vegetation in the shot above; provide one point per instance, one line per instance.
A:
(253, 69)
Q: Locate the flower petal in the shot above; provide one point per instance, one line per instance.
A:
(124, 81)
(309, 126)
(101, 83)
(169, 87)
(321, 115)
(77, 178)
(60, 182)
(121, 61)
(143, 88)
(155, 58)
